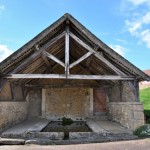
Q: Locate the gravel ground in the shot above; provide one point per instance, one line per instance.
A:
(143, 144)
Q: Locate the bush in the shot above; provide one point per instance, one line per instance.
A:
(143, 131)
(147, 115)
(66, 121)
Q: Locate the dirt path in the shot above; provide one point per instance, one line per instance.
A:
(123, 145)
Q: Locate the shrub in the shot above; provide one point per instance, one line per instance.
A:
(66, 121)
(143, 131)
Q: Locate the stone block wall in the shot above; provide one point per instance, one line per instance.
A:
(128, 114)
(123, 92)
(11, 92)
(12, 113)
(75, 103)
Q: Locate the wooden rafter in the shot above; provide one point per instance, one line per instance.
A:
(99, 56)
(63, 76)
(46, 60)
(80, 59)
(50, 56)
(37, 53)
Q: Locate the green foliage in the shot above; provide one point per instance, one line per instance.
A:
(145, 97)
(66, 121)
(143, 131)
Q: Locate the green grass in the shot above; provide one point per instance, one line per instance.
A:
(145, 97)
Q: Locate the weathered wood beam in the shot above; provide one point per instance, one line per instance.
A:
(67, 51)
(80, 59)
(136, 86)
(96, 54)
(2, 83)
(72, 85)
(46, 60)
(63, 76)
(12, 91)
(50, 56)
(37, 53)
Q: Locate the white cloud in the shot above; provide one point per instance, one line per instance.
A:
(140, 28)
(119, 49)
(121, 40)
(2, 7)
(145, 37)
(133, 26)
(4, 52)
(146, 18)
(139, 2)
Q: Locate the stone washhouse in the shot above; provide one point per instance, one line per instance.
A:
(66, 71)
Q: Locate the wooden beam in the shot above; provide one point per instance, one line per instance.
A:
(46, 60)
(98, 55)
(50, 56)
(37, 53)
(66, 85)
(80, 59)
(63, 76)
(136, 87)
(67, 51)
(12, 91)
(2, 83)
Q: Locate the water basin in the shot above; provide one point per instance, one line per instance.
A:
(57, 126)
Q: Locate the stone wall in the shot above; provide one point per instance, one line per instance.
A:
(12, 113)
(11, 92)
(75, 103)
(123, 92)
(5, 94)
(129, 114)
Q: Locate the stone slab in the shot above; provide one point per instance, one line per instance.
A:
(20, 130)
(41, 124)
(95, 127)
(47, 135)
(5, 141)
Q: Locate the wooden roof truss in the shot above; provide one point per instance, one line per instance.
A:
(67, 65)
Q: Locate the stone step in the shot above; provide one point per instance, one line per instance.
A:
(100, 113)
(103, 118)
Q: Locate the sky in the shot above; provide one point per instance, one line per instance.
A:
(124, 25)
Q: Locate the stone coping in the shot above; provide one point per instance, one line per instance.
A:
(126, 103)
(18, 101)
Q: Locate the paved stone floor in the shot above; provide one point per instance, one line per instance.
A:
(35, 124)
(107, 126)
(38, 124)
(103, 131)
(143, 144)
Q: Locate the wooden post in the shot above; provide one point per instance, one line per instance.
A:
(12, 91)
(121, 92)
(136, 86)
(67, 51)
(2, 83)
